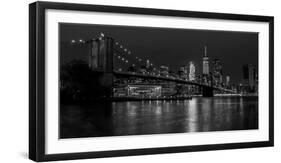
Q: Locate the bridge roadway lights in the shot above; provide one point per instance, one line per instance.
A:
(207, 92)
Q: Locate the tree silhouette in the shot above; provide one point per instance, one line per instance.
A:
(78, 82)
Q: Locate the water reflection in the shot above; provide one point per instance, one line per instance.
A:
(155, 117)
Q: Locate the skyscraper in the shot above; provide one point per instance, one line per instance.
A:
(191, 71)
(227, 81)
(147, 65)
(164, 71)
(183, 72)
(250, 77)
(206, 70)
(217, 72)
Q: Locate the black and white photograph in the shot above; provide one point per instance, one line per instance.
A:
(119, 80)
(111, 81)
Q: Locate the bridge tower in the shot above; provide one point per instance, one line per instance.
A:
(101, 60)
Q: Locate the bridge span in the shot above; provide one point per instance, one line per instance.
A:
(101, 59)
(170, 79)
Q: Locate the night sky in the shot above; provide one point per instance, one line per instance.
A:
(173, 47)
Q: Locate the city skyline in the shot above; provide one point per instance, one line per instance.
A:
(124, 84)
(74, 31)
(109, 55)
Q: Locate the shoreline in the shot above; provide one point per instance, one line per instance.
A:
(124, 99)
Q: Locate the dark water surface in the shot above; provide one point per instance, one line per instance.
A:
(156, 117)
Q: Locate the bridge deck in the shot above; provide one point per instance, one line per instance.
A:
(171, 79)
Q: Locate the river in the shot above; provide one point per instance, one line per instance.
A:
(159, 117)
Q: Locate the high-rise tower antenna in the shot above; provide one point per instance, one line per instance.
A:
(205, 48)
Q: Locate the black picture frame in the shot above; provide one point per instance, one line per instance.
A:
(37, 80)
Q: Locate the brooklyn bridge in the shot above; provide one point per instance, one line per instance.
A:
(108, 57)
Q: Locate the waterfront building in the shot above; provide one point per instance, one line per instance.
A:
(144, 91)
(119, 92)
(168, 89)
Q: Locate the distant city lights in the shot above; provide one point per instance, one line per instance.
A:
(146, 67)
